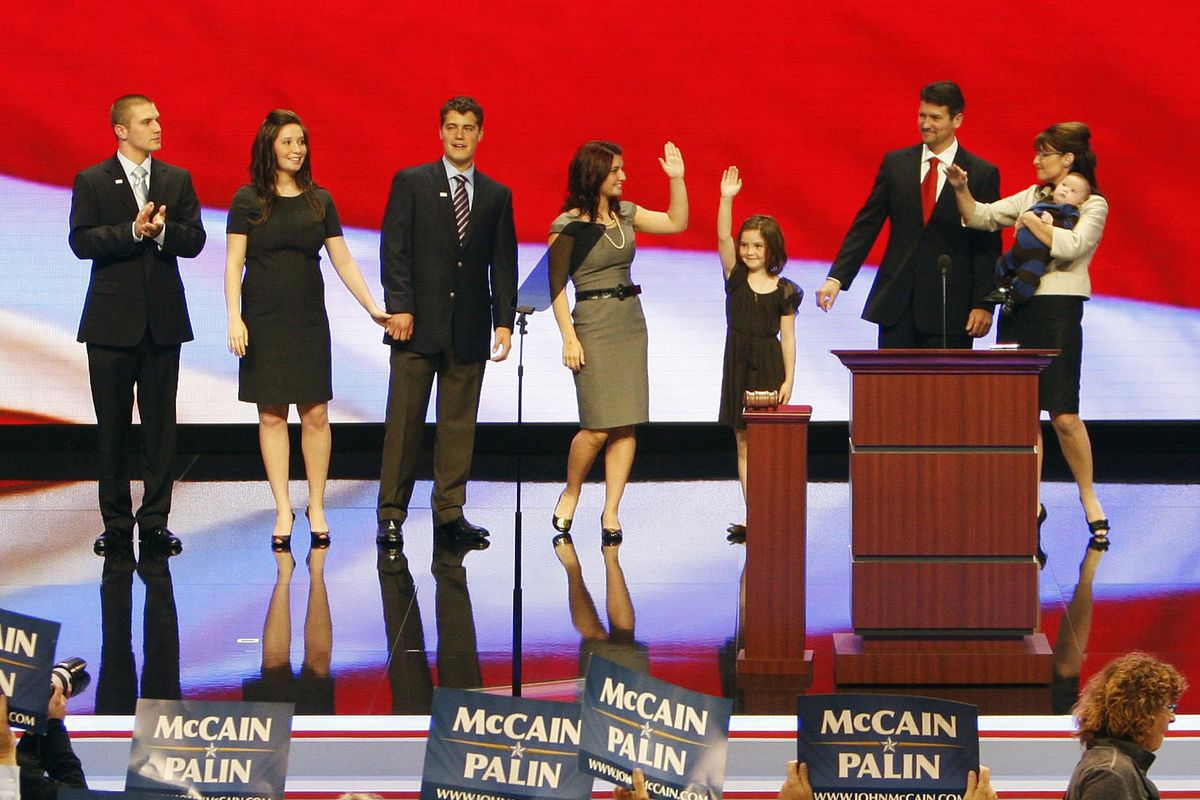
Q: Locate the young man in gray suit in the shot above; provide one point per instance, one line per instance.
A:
(448, 260)
(134, 216)
(909, 192)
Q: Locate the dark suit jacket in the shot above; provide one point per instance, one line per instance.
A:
(457, 293)
(908, 272)
(134, 285)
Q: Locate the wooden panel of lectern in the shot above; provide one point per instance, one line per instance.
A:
(943, 484)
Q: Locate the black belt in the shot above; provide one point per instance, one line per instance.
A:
(620, 291)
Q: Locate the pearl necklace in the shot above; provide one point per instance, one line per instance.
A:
(617, 222)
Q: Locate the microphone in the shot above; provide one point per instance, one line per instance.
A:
(943, 263)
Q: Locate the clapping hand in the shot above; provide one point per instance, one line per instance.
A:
(731, 183)
(671, 161)
(149, 223)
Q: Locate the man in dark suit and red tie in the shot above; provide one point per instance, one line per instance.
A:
(448, 260)
(134, 216)
(906, 299)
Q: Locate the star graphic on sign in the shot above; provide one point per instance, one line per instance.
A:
(517, 750)
(647, 730)
(889, 746)
(211, 751)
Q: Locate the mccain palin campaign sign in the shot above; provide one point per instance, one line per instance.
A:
(27, 646)
(886, 744)
(484, 746)
(210, 749)
(678, 737)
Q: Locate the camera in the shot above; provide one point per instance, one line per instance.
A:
(71, 676)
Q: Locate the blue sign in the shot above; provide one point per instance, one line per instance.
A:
(502, 747)
(70, 793)
(886, 743)
(27, 647)
(210, 749)
(679, 738)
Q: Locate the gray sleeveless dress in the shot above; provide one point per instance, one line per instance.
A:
(613, 388)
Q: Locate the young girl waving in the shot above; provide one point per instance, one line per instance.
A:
(760, 312)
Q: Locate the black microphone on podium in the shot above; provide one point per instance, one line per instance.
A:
(943, 263)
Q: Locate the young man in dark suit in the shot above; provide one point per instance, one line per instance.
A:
(906, 299)
(448, 259)
(134, 216)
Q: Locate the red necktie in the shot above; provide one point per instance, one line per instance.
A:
(929, 190)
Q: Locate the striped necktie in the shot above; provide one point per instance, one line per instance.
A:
(462, 207)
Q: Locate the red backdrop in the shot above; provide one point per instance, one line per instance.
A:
(804, 97)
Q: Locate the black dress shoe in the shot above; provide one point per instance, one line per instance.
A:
(113, 542)
(459, 534)
(160, 541)
(460, 527)
(388, 533)
(736, 534)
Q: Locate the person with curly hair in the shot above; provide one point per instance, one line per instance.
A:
(1122, 716)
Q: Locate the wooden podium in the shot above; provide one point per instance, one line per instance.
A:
(943, 488)
(773, 665)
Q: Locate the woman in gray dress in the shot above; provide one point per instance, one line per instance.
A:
(604, 336)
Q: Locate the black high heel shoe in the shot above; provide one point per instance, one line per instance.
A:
(610, 537)
(317, 540)
(1099, 529)
(1041, 554)
(561, 524)
(281, 543)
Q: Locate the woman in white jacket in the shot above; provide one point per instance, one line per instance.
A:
(1053, 317)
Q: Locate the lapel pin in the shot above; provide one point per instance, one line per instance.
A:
(118, 181)
(443, 194)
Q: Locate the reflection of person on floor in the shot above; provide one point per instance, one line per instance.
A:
(47, 760)
(117, 685)
(1070, 646)
(760, 314)
(313, 691)
(796, 785)
(617, 643)
(1122, 716)
(457, 649)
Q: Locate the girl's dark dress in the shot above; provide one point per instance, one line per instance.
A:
(283, 300)
(753, 354)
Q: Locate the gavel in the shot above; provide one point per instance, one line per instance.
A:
(760, 398)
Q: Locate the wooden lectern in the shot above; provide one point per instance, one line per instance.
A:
(943, 488)
(773, 665)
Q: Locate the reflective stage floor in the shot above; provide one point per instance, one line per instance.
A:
(353, 630)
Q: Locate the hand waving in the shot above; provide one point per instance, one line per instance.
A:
(731, 183)
(672, 161)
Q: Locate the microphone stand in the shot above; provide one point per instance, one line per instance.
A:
(944, 268)
(523, 313)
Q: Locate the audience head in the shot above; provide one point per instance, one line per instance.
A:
(1133, 698)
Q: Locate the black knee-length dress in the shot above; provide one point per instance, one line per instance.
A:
(283, 300)
(753, 353)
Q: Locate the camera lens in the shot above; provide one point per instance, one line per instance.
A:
(71, 676)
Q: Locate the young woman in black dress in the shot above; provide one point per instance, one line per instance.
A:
(760, 312)
(277, 321)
